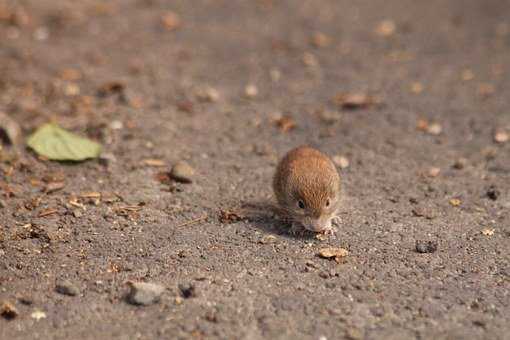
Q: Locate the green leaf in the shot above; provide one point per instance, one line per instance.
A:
(55, 143)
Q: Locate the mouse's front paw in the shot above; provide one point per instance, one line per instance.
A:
(329, 231)
(336, 220)
(296, 229)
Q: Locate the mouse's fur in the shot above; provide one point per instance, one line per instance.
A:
(307, 187)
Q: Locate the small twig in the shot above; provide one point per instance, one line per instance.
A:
(199, 219)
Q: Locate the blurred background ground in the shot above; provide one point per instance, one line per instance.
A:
(411, 98)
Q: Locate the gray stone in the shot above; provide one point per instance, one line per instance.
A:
(66, 287)
(144, 294)
(182, 172)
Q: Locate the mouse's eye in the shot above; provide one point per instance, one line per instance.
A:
(301, 204)
(328, 203)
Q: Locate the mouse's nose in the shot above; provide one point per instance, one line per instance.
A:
(316, 224)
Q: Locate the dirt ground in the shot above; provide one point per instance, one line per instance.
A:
(167, 81)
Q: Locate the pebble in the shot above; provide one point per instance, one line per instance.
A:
(310, 60)
(106, 159)
(170, 20)
(434, 172)
(275, 74)
(143, 294)
(320, 39)
(416, 87)
(386, 28)
(460, 163)
(66, 287)
(8, 311)
(208, 94)
(38, 315)
(182, 172)
(77, 213)
(116, 125)
(501, 137)
(467, 75)
(10, 130)
(424, 247)
(251, 91)
(329, 117)
(434, 129)
(353, 100)
(493, 193)
(187, 290)
(268, 239)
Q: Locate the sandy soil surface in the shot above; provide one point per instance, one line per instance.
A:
(415, 95)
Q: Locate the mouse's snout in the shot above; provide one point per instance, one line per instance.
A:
(317, 224)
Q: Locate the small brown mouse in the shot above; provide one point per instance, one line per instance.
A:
(307, 187)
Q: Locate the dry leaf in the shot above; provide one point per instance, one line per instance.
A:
(55, 143)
